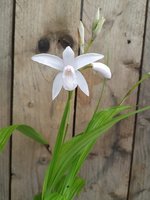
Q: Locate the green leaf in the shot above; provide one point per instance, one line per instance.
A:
(75, 188)
(100, 117)
(73, 152)
(54, 196)
(69, 191)
(38, 197)
(76, 150)
(6, 132)
(144, 77)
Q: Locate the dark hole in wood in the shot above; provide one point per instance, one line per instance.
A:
(66, 40)
(43, 45)
(43, 160)
(128, 41)
(30, 104)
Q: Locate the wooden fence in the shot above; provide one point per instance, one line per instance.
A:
(119, 166)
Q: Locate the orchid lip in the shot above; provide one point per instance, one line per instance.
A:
(69, 78)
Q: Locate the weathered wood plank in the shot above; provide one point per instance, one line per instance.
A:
(140, 176)
(36, 19)
(107, 168)
(6, 16)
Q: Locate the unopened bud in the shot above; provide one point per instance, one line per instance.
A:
(97, 24)
(102, 69)
(96, 19)
(81, 35)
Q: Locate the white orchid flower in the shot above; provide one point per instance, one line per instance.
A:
(102, 69)
(69, 76)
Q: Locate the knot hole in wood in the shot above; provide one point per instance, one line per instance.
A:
(66, 40)
(44, 45)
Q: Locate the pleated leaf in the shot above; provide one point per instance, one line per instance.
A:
(74, 152)
(38, 197)
(6, 132)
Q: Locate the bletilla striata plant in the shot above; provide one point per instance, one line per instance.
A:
(62, 180)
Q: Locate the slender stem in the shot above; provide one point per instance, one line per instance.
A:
(89, 44)
(63, 126)
(68, 120)
(146, 76)
(59, 142)
(97, 106)
(101, 95)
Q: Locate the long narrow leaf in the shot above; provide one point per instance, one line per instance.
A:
(6, 132)
(38, 197)
(54, 196)
(66, 156)
(144, 77)
(71, 152)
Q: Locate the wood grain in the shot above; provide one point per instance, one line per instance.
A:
(6, 12)
(36, 19)
(140, 176)
(107, 168)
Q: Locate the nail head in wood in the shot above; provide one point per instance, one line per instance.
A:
(43, 45)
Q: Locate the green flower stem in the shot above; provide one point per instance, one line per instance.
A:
(97, 106)
(101, 95)
(89, 44)
(145, 76)
(64, 124)
(59, 142)
(68, 120)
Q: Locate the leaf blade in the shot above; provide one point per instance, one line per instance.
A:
(6, 132)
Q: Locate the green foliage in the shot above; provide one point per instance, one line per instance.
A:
(6, 132)
(38, 197)
(62, 181)
(74, 152)
(52, 196)
(59, 142)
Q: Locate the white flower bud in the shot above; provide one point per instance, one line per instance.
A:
(97, 17)
(102, 69)
(81, 35)
(97, 24)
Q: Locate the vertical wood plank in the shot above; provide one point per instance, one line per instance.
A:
(6, 16)
(36, 19)
(107, 168)
(140, 176)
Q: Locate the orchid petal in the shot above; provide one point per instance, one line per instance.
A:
(49, 60)
(103, 69)
(68, 56)
(82, 83)
(57, 85)
(86, 59)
